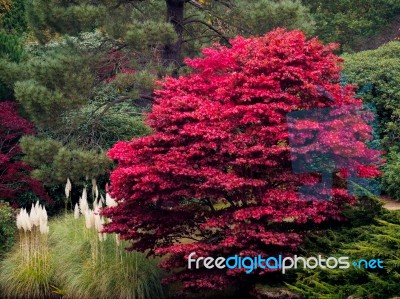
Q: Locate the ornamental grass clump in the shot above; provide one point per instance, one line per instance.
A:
(91, 264)
(27, 271)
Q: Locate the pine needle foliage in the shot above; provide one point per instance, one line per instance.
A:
(367, 238)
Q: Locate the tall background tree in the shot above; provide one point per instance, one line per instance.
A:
(87, 73)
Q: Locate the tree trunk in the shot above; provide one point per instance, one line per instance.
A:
(175, 12)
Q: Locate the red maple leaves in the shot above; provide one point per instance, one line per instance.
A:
(14, 174)
(215, 177)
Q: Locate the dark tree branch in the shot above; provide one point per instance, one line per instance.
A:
(198, 5)
(198, 37)
(117, 101)
(132, 2)
(231, 203)
(210, 204)
(227, 4)
(209, 26)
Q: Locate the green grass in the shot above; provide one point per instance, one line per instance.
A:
(88, 268)
(72, 262)
(27, 271)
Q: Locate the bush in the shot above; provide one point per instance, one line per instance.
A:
(391, 177)
(7, 227)
(377, 73)
(379, 239)
(11, 50)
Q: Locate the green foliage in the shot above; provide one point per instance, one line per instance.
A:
(246, 18)
(133, 83)
(38, 101)
(76, 126)
(10, 47)
(95, 269)
(121, 125)
(265, 15)
(379, 71)
(30, 279)
(5, 6)
(351, 23)
(14, 21)
(391, 171)
(143, 35)
(10, 72)
(60, 82)
(54, 163)
(7, 227)
(358, 240)
(49, 17)
(11, 51)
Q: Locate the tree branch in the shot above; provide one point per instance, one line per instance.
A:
(231, 202)
(209, 26)
(227, 4)
(210, 204)
(117, 101)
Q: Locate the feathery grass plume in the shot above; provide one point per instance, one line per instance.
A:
(83, 203)
(87, 268)
(68, 188)
(110, 202)
(27, 271)
(95, 189)
(34, 215)
(76, 211)
(89, 219)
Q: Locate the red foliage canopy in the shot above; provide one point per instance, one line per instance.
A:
(216, 177)
(14, 174)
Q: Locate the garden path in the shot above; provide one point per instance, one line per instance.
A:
(389, 203)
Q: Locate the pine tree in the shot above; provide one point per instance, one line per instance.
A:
(376, 238)
(89, 80)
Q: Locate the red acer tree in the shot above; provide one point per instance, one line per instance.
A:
(216, 176)
(15, 181)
